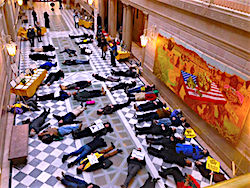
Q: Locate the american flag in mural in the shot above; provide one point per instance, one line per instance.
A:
(213, 95)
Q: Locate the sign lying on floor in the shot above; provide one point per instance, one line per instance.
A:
(212, 164)
(97, 126)
(138, 154)
(189, 133)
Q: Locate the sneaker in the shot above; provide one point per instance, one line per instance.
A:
(112, 144)
(71, 164)
(119, 150)
(64, 158)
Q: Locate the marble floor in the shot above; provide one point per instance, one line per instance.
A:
(44, 161)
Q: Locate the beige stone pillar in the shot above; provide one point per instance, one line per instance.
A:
(124, 22)
(129, 27)
(102, 10)
(67, 4)
(10, 23)
(145, 14)
(112, 17)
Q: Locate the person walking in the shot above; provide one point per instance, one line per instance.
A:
(38, 32)
(104, 46)
(34, 16)
(46, 18)
(31, 35)
(60, 4)
(99, 20)
(113, 53)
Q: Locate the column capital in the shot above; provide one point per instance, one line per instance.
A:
(145, 13)
(125, 2)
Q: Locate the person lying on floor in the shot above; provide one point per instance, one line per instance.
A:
(75, 62)
(172, 122)
(69, 117)
(155, 130)
(84, 41)
(85, 51)
(37, 124)
(71, 182)
(134, 165)
(101, 157)
(50, 134)
(69, 52)
(76, 85)
(20, 108)
(44, 57)
(47, 48)
(47, 65)
(150, 105)
(86, 149)
(111, 108)
(122, 85)
(84, 35)
(85, 95)
(109, 78)
(145, 88)
(168, 142)
(143, 96)
(93, 130)
(129, 73)
(181, 181)
(159, 114)
(59, 96)
(53, 76)
(170, 156)
(150, 182)
(217, 177)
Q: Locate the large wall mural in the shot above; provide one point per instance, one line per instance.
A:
(220, 98)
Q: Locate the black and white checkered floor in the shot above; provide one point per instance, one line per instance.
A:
(44, 161)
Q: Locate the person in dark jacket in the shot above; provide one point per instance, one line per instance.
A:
(144, 96)
(168, 142)
(155, 130)
(34, 16)
(113, 53)
(170, 156)
(69, 117)
(180, 180)
(150, 182)
(51, 96)
(85, 150)
(139, 89)
(36, 125)
(75, 62)
(71, 182)
(44, 57)
(84, 35)
(49, 135)
(84, 41)
(76, 85)
(122, 85)
(86, 95)
(31, 35)
(47, 48)
(46, 18)
(109, 78)
(172, 121)
(60, 4)
(85, 50)
(20, 108)
(111, 108)
(69, 52)
(38, 32)
(128, 73)
(54, 76)
(48, 65)
(104, 47)
(134, 165)
(159, 114)
(151, 105)
(217, 177)
(88, 132)
(99, 20)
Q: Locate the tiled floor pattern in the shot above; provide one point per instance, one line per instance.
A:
(44, 161)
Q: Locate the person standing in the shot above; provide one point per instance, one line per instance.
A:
(104, 46)
(46, 18)
(31, 35)
(34, 16)
(60, 4)
(113, 53)
(77, 20)
(39, 32)
(99, 20)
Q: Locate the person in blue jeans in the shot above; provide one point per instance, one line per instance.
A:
(85, 150)
(54, 134)
(75, 62)
(47, 65)
(51, 96)
(139, 89)
(72, 182)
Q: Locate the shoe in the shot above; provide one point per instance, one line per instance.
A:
(123, 186)
(135, 127)
(119, 150)
(64, 158)
(112, 144)
(78, 171)
(71, 164)
(136, 107)
(136, 133)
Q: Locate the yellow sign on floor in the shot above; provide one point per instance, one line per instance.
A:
(212, 164)
(189, 133)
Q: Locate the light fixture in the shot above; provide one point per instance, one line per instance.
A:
(144, 40)
(90, 2)
(11, 48)
(20, 2)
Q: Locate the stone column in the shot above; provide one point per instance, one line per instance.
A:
(67, 4)
(112, 17)
(10, 23)
(145, 15)
(129, 27)
(102, 10)
(124, 24)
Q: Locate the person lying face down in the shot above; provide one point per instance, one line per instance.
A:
(85, 95)
(150, 105)
(50, 134)
(36, 125)
(143, 96)
(48, 65)
(76, 85)
(88, 131)
(102, 157)
(111, 108)
(75, 62)
(122, 85)
(52, 96)
(71, 182)
(37, 56)
(69, 117)
(159, 114)
(53, 76)
(145, 88)
(44, 49)
(109, 78)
